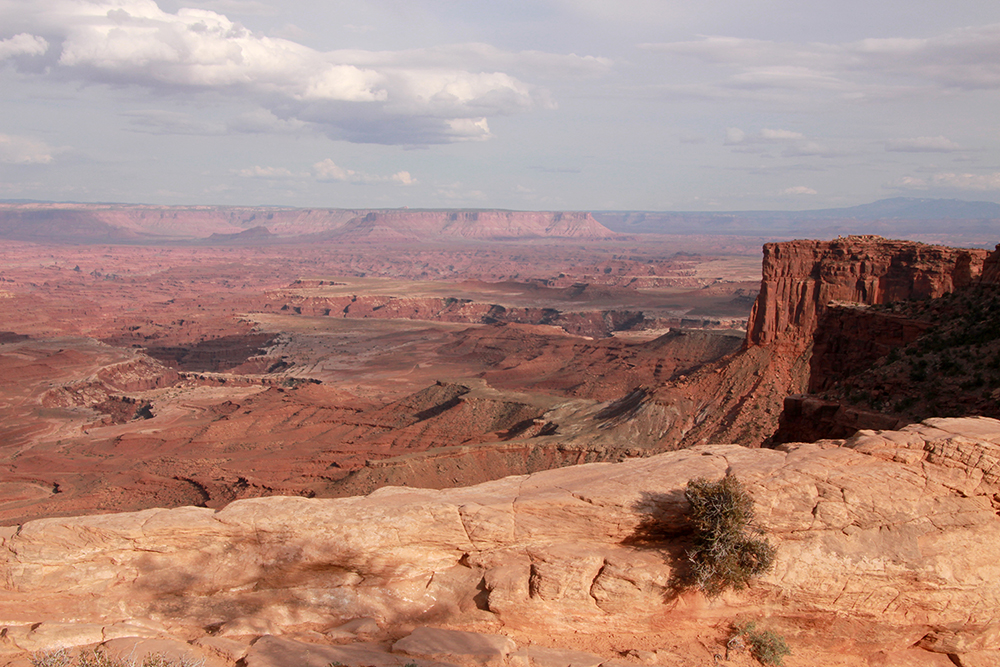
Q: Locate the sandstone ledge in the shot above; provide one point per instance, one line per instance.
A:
(887, 541)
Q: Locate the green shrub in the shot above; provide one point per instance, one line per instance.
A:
(728, 550)
(767, 647)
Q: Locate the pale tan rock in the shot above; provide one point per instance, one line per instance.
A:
(229, 650)
(364, 627)
(889, 537)
(247, 625)
(978, 659)
(279, 652)
(49, 636)
(911, 658)
(644, 657)
(539, 656)
(456, 647)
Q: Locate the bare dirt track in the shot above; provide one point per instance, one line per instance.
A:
(139, 376)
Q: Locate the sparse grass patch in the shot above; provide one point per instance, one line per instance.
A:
(99, 658)
(767, 647)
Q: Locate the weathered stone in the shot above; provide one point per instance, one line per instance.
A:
(456, 646)
(978, 659)
(911, 658)
(271, 651)
(229, 650)
(539, 656)
(888, 538)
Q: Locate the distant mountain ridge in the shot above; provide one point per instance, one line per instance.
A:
(124, 223)
(945, 221)
(967, 222)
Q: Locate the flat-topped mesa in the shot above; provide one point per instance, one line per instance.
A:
(479, 224)
(87, 223)
(800, 278)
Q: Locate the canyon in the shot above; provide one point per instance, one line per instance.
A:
(544, 386)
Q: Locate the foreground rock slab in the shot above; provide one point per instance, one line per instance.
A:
(887, 545)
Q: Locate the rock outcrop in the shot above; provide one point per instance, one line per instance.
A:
(886, 542)
(801, 277)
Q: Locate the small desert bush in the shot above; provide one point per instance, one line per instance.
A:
(728, 549)
(767, 647)
(98, 658)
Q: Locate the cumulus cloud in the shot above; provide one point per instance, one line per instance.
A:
(414, 97)
(922, 145)
(21, 150)
(963, 59)
(22, 44)
(328, 170)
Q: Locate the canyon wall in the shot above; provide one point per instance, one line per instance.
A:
(886, 541)
(801, 277)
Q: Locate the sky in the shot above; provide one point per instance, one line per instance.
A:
(519, 104)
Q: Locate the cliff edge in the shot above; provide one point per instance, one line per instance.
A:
(886, 541)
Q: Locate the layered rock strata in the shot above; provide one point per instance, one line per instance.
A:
(886, 541)
(801, 277)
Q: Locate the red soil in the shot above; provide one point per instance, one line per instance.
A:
(142, 376)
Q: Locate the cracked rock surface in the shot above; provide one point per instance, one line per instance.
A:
(887, 543)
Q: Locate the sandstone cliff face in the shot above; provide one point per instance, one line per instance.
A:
(801, 277)
(991, 268)
(886, 541)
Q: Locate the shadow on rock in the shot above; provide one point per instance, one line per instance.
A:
(666, 529)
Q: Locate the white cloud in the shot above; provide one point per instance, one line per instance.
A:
(21, 150)
(476, 56)
(416, 97)
(906, 183)
(799, 190)
(22, 44)
(795, 143)
(271, 173)
(974, 182)
(734, 135)
(962, 59)
(779, 135)
(948, 181)
(922, 145)
(328, 170)
(811, 149)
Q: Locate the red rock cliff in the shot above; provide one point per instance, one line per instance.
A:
(991, 267)
(801, 277)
